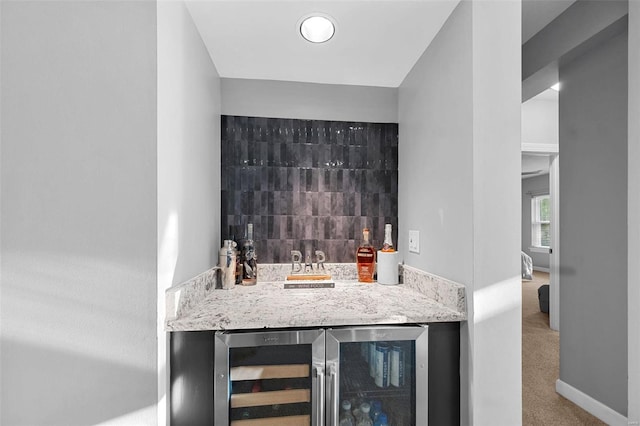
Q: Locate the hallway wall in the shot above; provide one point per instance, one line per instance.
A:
(459, 175)
(593, 223)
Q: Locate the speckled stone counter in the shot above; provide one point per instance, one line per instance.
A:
(422, 298)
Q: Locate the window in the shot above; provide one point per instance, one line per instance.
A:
(540, 225)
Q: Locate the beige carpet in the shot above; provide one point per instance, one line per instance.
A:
(541, 405)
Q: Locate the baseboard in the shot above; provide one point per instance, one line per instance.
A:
(541, 269)
(587, 403)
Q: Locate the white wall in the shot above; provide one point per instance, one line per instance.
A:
(540, 119)
(1, 33)
(458, 178)
(188, 161)
(496, 331)
(537, 185)
(593, 223)
(188, 146)
(633, 215)
(435, 154)
(288, 99)
(78, 176)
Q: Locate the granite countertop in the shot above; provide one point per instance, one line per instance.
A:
(197, 305)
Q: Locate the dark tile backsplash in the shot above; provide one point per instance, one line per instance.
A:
(308, 184)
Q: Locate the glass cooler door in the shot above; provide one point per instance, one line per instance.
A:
(269, 378)
(384, 367)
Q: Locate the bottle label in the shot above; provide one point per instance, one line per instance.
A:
(396, 368)
(382, 366)
(372, 359)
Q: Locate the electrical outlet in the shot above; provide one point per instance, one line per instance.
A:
(414, 241)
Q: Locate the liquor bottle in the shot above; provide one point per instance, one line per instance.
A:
(387, 246)
(227, 262)
(249, 259)
(236, 243)
(365, 259)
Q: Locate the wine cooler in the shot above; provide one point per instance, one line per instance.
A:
(317, 376)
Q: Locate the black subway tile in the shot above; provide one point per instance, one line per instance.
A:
(307, 182)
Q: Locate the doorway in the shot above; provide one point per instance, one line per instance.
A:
(540, 239)
(540, 159)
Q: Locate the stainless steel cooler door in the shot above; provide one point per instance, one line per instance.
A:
(235, 349)
(351, 376)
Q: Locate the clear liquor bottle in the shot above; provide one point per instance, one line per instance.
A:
(365, 259)
(249, 259)
(387, 246)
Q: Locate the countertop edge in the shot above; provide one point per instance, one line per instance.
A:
(448, 302)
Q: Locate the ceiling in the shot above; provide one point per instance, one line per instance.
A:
(536, 14)
(376, 42)
(534, 164)
(547, 95)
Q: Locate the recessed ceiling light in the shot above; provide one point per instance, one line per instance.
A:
(317, 28)
(556, 87)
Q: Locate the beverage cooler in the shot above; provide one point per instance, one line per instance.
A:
(320, 376)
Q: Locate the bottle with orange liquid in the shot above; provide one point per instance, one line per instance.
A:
(365, 259)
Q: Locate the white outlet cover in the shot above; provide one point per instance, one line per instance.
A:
(414, 242)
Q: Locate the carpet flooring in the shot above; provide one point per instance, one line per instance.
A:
(541, 405)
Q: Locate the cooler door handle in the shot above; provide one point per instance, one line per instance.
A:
(320, 395)
(335, 389)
